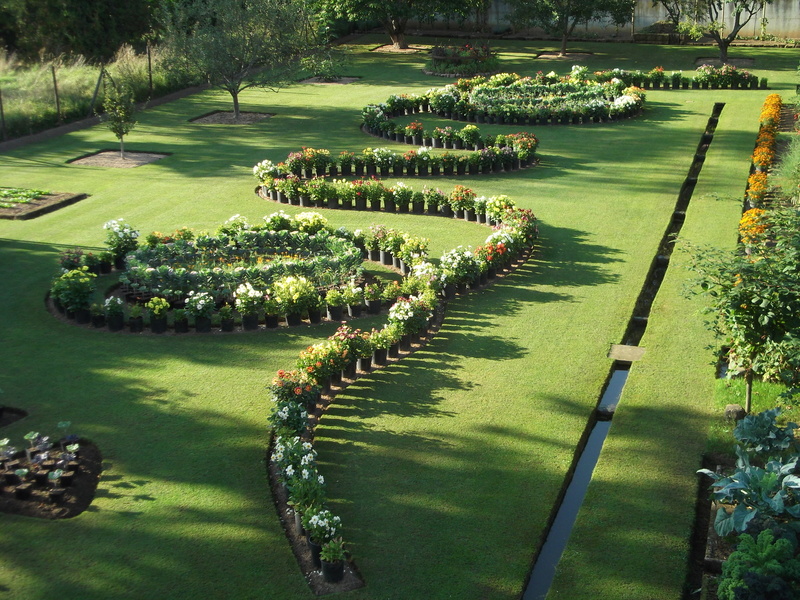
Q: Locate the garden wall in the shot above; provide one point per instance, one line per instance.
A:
(783, 21)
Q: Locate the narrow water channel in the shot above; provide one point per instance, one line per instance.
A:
(545, 568)
(580, 475)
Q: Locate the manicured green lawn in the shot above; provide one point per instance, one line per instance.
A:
(444, 467)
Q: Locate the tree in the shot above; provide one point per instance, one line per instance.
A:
(674, 9)
(394, 15)
(708, 21)
(239, 44)
(119, 110)
(755, 296)
(92, 28)
(560, 17)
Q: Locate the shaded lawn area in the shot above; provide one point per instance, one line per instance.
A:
(444, 467)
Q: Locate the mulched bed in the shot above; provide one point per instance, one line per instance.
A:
(40, 206)
(77, 499)
(221, 117)
(112, 159)
(340, 81)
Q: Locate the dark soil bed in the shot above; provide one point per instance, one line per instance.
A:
(78, 497)
(39, 206)
(9, 415)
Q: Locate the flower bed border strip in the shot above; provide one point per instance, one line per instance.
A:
(302, 554)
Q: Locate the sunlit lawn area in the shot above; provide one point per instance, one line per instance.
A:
(445, 466)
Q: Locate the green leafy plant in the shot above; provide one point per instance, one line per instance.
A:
(768, 494)
(157, 306)
(74, 289)
(322, 526)
(333, 551)
(761, 434)
(760, 568)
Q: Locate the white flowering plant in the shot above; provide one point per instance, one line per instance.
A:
(410, 314)
(322, 526)
(248, 300)
(288, 417)
(121, 237)
(200, 304)
(266, 170)
(459, 265)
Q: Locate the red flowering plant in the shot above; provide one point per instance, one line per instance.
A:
(356, 341)
(492, 254)
(414, 128)
(293, 386)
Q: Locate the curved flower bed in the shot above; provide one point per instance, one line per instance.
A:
(296, 393)
(507, 98)
(219, 264)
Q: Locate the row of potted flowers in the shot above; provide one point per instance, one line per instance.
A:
(295, 393)
(494, 154)
(372, 194)
(764, 151)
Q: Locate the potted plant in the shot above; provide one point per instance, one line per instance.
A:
(98, 315)
(181, 320)
(322, 526)
(332, 558)
(401, 195)
(115, 313)
(226, 318)
(336, 303)
(353, 296)
(135, 319)
(470, 136)
(201, 306)
(121, 240)
(248, 302)
(434, 198)
(73, 290)
(158, 308)
(272, 311)
(295, 294)
(346, 162)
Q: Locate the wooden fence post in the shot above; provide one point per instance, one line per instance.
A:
(96, 90)
(2, 117)
(55, 89)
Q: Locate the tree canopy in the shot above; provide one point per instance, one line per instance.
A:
(708, 20)
(92, 28)
(560, 17)
(239, 44)
(754, 295)
(394, 15)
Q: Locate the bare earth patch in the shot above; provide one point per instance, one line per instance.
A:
(389, 48)
(39, 206)
(222, 117)
(340, 81)
(736, 62)
(111, 158)
(568, 56)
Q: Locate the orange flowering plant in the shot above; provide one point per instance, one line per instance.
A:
(293, 385)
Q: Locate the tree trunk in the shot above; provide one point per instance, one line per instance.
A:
(723, 50)
(121, 148)
(748, 390)
(398, 40)
(235, 105)
(563, 50)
